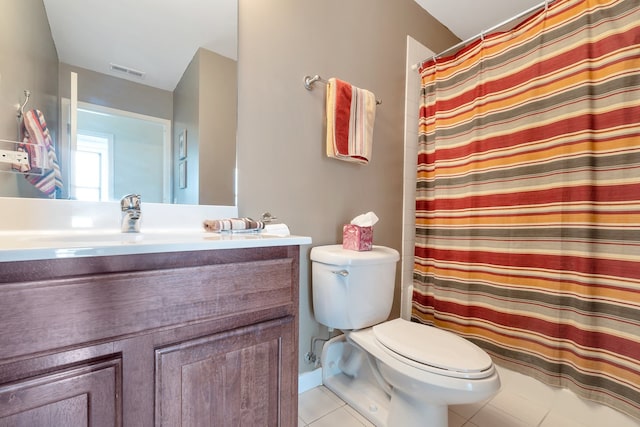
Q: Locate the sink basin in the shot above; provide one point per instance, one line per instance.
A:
(108, 238)
(88, 238)
(32, 244)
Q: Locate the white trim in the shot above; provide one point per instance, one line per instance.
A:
(415, 51)
(72, 130)
(309, 380)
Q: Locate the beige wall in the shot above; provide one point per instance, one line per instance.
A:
(282, 166)
(186, 120)
(113, 92)
(205, 105)
(28, 60)
(218, 117)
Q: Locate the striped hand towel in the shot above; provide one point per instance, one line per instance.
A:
(35, 131)
(232, 224)
(351, 115)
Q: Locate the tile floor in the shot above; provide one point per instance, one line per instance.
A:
(521, 402)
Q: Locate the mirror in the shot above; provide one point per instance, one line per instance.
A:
(171, 62)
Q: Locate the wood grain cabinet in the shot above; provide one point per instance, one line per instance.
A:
(83, 396)
(201, 338)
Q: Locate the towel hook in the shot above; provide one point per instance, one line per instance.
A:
(27, 94)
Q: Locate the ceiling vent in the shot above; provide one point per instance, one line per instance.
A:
(126, 70)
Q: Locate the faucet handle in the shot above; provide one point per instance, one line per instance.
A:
(268, 217)
(130, 201)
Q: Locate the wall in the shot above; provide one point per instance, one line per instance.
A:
(113, 92)
(205, 105)
(186, 120)
(218, 119)
(282, 165)
(28, 60)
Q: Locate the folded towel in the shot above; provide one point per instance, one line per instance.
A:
(45, 172)
(351, 115)
(232, 224)
(277, 229)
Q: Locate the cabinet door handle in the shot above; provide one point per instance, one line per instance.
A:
(343, 273)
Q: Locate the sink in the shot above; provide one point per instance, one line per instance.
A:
(88, 238)
(106, 238)
(32, 244)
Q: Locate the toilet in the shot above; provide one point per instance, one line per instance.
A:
(395, 373)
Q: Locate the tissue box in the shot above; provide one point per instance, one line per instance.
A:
(357, 238)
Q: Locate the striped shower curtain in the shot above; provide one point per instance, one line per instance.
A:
(528, 198)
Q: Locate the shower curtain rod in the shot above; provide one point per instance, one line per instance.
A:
(463, 43)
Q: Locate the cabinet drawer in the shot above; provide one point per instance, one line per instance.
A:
(40, 315)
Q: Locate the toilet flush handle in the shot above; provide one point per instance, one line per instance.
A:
(343, 273)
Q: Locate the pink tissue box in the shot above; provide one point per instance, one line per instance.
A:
(357, 238)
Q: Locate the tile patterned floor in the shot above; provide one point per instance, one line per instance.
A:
(521, 402)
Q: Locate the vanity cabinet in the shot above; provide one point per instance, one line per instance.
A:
(199, 338)
(85, 395)
(225, 379)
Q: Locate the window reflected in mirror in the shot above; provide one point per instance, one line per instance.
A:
(92, 173)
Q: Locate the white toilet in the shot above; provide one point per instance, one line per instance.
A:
(395, 373)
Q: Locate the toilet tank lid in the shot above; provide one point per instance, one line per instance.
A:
(337, 255)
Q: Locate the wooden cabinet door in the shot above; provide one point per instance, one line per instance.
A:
(238, 378)
(83, 396)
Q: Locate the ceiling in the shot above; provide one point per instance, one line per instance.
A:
(160, 37)
(468, 18)
(156, 37)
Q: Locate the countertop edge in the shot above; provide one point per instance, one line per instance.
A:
(234, 241)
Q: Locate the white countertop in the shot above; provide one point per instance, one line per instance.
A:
(46, 229)
(31, 245)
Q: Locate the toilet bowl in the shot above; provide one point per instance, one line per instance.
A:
(396, 373)
(430, 367)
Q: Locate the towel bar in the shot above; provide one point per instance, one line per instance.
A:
(309, 81)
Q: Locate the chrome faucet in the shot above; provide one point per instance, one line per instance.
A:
(131, 213)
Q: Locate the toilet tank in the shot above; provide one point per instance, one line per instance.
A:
(352, 289)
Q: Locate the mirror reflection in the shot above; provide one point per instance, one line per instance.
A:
(144, 144)
(156, 96)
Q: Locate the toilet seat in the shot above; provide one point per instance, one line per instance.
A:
(431, 349)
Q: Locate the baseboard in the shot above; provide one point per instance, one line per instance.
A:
(309, 380)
